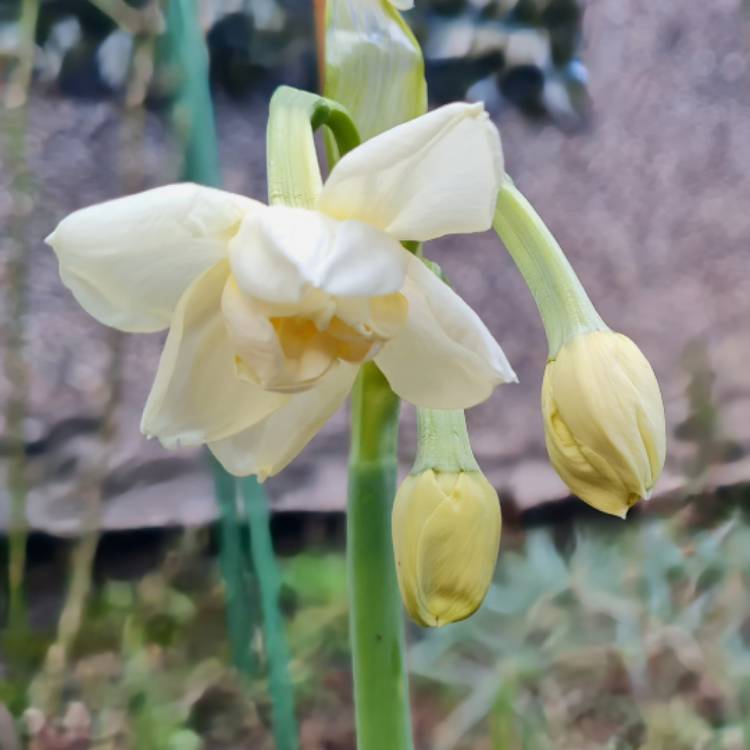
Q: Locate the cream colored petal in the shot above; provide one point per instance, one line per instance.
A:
(280, 252)
(128, 261)
(375, 318)
(266, 448)
(444, 357)
(196, 396)
(252, 336)
(438, 174)
(403, 4)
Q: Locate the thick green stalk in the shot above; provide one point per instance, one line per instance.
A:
(376, 623)
(269, 582)
(564, 306)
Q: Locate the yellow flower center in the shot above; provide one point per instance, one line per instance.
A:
(288, 348)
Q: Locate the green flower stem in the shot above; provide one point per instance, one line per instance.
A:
(269, 582)
(241, 616)
(293, 171)
(377, 638)
(443, 443)
(565, 307)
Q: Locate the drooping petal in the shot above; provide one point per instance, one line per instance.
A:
(267, 447)
(197, 396)
(128, 261)
(444, 357)
(280, 252)
(438, 174)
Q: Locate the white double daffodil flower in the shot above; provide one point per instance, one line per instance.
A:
(271, 310)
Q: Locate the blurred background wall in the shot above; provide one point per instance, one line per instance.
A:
(625, 122)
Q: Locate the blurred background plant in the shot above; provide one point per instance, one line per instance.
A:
(521, 53)
(595, 634)
(590, 637)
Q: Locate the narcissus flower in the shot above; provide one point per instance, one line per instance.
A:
(271, 310)
(604, 420)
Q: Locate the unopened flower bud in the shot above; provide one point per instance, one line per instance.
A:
(603, 413)
(446, 525)
(604, 420)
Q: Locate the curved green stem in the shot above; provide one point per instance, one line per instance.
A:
(292, 162)
(376, 624)
(565, 307)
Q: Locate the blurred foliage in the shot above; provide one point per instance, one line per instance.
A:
(150, 666)
(702, 427)
(623, 637)
(518, 52)
(628, 640)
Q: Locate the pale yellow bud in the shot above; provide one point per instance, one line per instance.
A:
(604, 420)
(446, 534)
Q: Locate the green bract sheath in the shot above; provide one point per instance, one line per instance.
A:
(373, 64)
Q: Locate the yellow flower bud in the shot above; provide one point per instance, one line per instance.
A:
(604, 420)
(446, 534)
